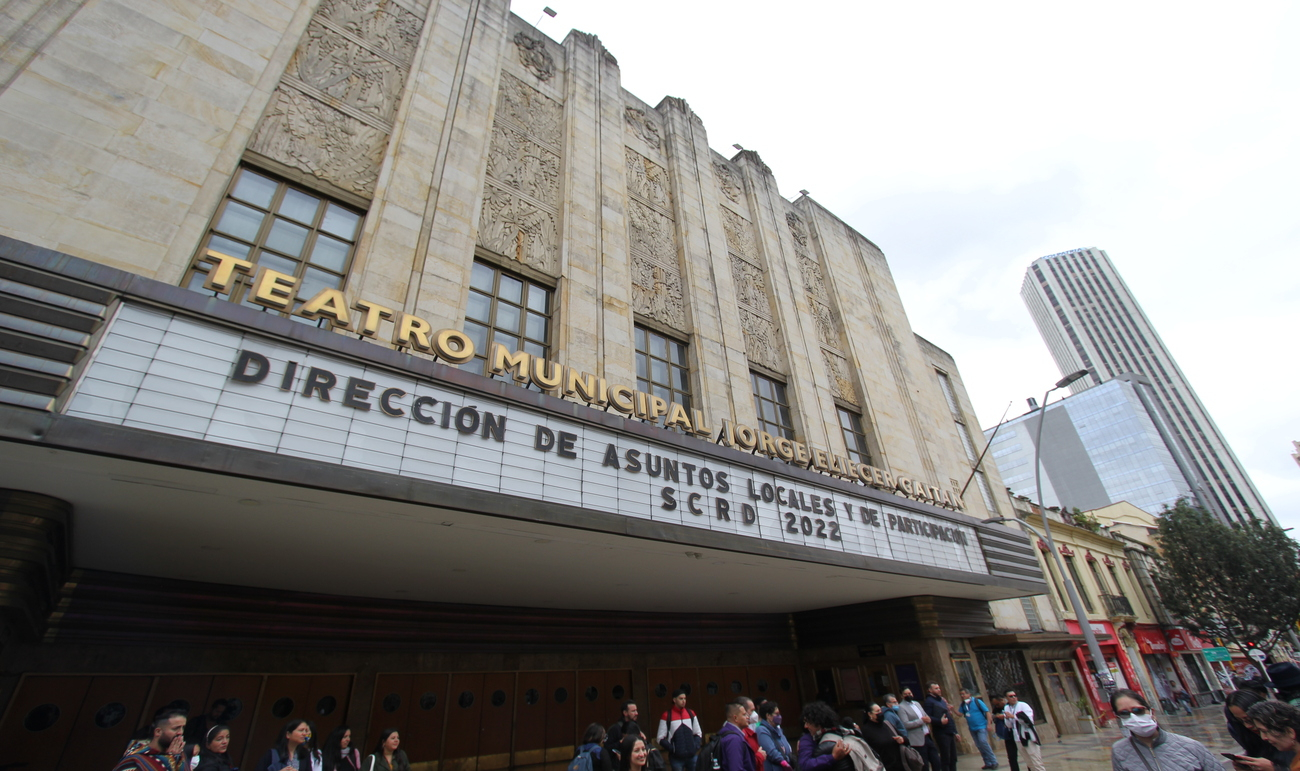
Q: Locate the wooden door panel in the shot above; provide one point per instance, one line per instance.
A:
(187, 692)
(40, 719)
(283, 699)
(715, 692)
(110, 711)
(428, 711)
(464, 712)
(560, 716)
(327, 703)
(239, 692)
(390, 709)
(497, 720)
(530, 718)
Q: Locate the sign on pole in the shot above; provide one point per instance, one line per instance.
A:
(1216, 654)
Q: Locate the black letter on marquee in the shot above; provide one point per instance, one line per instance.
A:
(417, 409)
(472, 425)
(747, 513)
(691, 500)
(669, 502)
(357, 394)
(241, 373)
(494, 427)
(722, 482)
(723, 506)
(386, 403)
(611, 457)
(633, 460)
(320, 381)
(565, 449)
(544, 439)
(286, 382)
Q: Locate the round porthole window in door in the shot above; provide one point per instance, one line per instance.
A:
(42, 717)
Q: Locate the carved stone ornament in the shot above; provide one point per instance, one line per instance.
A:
(837, 371)
(827, 329)
(652, 233)
(647, 180)
(740, 236)
(348, 72)
(515, 228)
(762, 344)
(530, 109)
(387, 25)
(518, 162)
(751, 286)
(798, 231)
(642, 125)
(814, 280)
(728, 181)
(307, 134)
(657, 292)
(534, 56)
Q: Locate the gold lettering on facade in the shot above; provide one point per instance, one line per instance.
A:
(412, 331)
(620, 398)
(329, 303)
(503, 361)
(677, 418)
(273, 289)
(370, 322)
(453, 347)
(547, 375)
(223, 270)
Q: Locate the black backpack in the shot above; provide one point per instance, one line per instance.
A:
(710, 758)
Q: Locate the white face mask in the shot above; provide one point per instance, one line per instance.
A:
(1140, 725)
(753, 718)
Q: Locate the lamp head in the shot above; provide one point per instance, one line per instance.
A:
(1070, 378)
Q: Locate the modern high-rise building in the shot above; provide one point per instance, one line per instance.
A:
(1090, 320)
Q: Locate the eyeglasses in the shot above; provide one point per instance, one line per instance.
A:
(1011, 696)
(1139, 711)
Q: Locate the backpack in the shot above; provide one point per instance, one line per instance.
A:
(710, 758)
(583, 760)
(683, 743)
(863, 757)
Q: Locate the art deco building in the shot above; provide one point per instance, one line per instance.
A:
(1090, 320)
(389, 364)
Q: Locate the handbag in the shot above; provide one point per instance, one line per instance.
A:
(911, 758)
(654, 760)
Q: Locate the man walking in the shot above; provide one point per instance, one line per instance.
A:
(943, 726)
(165, 752)
(1020, 721)
(679, 733)
(918, 731)
(977, 714)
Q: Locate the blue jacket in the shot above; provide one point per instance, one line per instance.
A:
(937, 708)
(976, 714)
(773, 743)
(896, 720)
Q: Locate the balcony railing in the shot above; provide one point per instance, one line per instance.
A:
(1117, 605)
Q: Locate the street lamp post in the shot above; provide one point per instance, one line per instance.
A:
(1104, 679)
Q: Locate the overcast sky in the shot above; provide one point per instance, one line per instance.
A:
(968, 139)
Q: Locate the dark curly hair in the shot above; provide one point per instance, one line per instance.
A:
(820, 714)
(1275, 717)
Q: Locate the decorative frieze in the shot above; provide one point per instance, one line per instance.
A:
(840, 375)
(751, 285)
(762, 341)
(349, 72)
(740, 235)
(385, 25)
(642, 125)
(657, 292)
(648, 181)
(728, 181)
(307, 134)
(817, 293)
(519, 229)
(524, 165)
(534, 56)
(537, 114)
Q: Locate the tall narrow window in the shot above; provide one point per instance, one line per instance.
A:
(772, 406)
(1114, 576)
(1098, 578)
(507, 309)
(279, 226)
(662, 368)
(1084, 593)
(967, 443)
(855, 439)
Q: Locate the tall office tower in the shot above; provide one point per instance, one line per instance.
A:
(1090, 320)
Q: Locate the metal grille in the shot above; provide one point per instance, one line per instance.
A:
(1006, 670)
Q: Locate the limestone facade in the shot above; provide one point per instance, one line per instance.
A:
(463, 133)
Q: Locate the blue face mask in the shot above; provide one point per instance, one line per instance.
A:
(776, 720)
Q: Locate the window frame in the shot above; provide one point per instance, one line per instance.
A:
(648, 382)
(257, 246)
(482, 350)
(782, 430)
(857, 431)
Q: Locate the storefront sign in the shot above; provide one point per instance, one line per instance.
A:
(1216, 654)
(1150, 640)
(168, 373)
(1183, 640)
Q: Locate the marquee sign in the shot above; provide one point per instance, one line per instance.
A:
(173, 374)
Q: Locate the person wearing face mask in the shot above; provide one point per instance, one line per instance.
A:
(881, 737)
(977, 713)
(918, 731)
(750, 728)
(771, 738)
(1148, 747)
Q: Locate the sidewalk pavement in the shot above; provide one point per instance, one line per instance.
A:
(1091, 752)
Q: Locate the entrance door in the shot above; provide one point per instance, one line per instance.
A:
(1006, 670)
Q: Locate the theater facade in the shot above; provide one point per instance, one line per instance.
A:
(388, 364)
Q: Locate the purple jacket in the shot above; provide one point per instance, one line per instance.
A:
(808, 761)
(733, 750)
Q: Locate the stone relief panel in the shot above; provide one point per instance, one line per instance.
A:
(814, 281)
(351, 73)
(647, 180)
(642, 125)
(657, 292)
(728, 181)
(798, 231)
(516, 228)
(524, 165)
(740, 236)
(385, 24)
(530, 109)
(762, 342)
(839, 374)
(827, 329)
(652, 233)
(307, 134)
(534, 56)
(751, 285)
